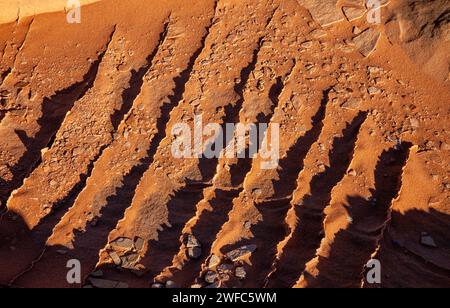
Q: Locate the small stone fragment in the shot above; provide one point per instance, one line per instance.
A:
(225, 268)
(194, 252)
(171, 285)
(211, 277)
(138, 243)
(352, 103)
(374, 70)
(103, 283)
(240, 273)
(248, 225)
(325, 12)
(236, 254)
(414, 123)
(427, 240)
(366, 41)
(115, 257)
(307, 44)
(213, 261)
(352, 172)
(353, 13)
(192, 242)
(373, 90)
(356, 30)
(123, 243)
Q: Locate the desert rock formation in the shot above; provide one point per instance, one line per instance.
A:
(86, 118)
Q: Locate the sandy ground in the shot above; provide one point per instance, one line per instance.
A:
(86, 168)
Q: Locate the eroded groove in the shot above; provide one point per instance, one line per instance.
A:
(25, 39)
(86, 237)
(209, 221)
(46, 224)
(182, 206)
(54, 111)
(185, 183)
(212, 210)
(36, 240)
(130, 93)
(137, 79)
(205, 230)
(95, 237)
(275, 209)
(43, 208)
(19, 49)
(101, 139)
(290, 167)
(243, 166)
(306, 238)
(355, 239)
(125, 194)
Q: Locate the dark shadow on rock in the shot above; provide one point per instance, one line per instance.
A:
(210, 222)
(271, 229)
(307, 236)
(130, 94)
(205, 231)
(182, 205)
(405, 262)
(352, 247)
(54, 110)
(13, 232)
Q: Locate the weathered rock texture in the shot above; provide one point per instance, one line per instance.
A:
(87, 172)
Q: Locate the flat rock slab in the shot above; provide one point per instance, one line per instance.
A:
(123, 242)
(107, 284)
(236, 254)
(366, 41)
(427, 240)
(325, 12)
